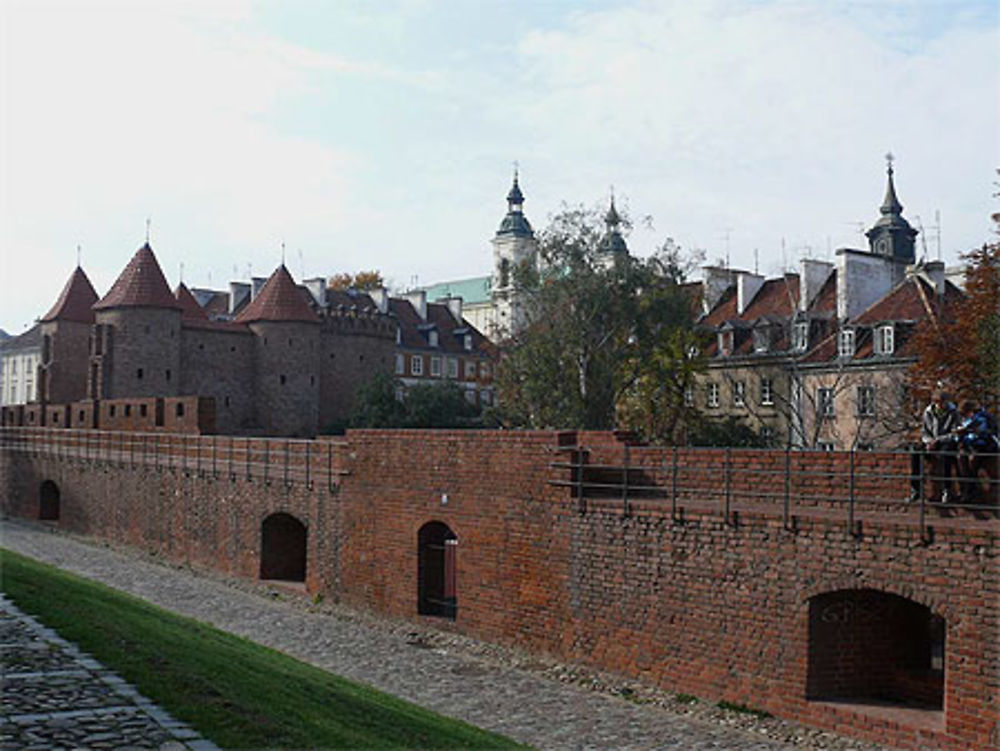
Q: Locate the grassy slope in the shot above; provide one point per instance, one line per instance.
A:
(233, 691)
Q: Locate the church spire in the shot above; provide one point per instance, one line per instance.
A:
(891, 204)
(613, 242)
(515, 223)
(515, 199)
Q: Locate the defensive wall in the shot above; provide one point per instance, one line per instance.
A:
(793, 582)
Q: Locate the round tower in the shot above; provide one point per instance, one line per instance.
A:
(286, 357)
(135, 345)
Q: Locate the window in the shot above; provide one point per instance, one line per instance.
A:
(282, 379)
(128, 410)
(435, 367)
(726, 342)
(111, 410)
(142, 411)
(826, 445)
(866, 401)
(845, 343)
(432, 338)
(399, 335)
(180, 408)
(761, 339)
(138, 374)
(800, 336)
(416, 365)
(470, 396)
(713, 395)
(400, 364)
(168, 374)
(452, 367)
(767, 435)
(884, 339)
(470, 369)
(739, 393)
(467, 342)
(689, 396)
(824, 402)
(766, 392)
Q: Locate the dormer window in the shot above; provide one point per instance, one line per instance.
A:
(432, 337)
(845, 343)
(800, 336)
(467, 342)
(726, 342)
(762, 339)
(885, 336)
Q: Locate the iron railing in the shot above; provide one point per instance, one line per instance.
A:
(267, 460)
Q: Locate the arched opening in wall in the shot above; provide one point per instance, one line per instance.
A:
(283, 548)
(872, 647)
(48, 501)
(437, 571)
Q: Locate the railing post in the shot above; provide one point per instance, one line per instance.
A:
(673, 487)
(850, 491)
(727, 483)
(788, 487)
(922, 490)
(232, 471)
(625, 508)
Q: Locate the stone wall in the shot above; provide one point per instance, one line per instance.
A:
(714, 577)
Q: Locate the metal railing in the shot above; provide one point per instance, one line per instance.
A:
(268, 460)
(857, 486)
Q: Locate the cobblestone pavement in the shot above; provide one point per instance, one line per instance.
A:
(524, 697)
(53, 696)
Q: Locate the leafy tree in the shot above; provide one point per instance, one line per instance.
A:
(729, 431)
(431, 405)
(363, 280)
(962, 346)
(602, 327)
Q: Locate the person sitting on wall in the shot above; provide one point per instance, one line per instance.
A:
(976, 438)
(937, 443)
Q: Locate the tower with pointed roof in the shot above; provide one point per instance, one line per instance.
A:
(514, 247)
(65, 329)
(613, 247)
(286, 352)
(136, 337)
(892, 236)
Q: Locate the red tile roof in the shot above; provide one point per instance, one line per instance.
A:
(141, 284)
(278, 300)
(75, 301)
(190, 309)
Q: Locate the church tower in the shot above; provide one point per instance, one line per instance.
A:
(514, 247)
(892, 236)
(613, 248)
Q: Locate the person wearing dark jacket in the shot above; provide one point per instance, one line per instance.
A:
(976, 438)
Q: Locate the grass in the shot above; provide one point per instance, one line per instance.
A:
(237, 693)
(744, 709)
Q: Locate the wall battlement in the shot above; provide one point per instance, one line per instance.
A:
(798, 583)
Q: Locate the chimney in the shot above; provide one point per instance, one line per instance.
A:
(812, 276)
(256, 284)
(418, 299)
(862, 278)
(380, 297)
(455, 306)
(238, 292)
(716, 282)
(317, 288)
(935, 274)
(747, 287)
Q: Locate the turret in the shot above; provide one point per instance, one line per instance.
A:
(65, 333)
(514, 247)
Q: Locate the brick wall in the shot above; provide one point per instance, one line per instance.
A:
(665, 588)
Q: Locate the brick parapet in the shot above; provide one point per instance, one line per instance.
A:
(699, 602)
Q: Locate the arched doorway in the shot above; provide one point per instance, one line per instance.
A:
(437, 572)
(869, 645)
(283, 548)
(48, 501)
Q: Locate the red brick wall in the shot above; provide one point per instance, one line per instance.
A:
(695, 601)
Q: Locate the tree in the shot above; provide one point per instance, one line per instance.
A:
(363, 280)
(961, 348)
(602, 327)
(431, 405)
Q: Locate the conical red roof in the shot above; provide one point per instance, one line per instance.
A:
(75, 301)
(278, 300)
(190, 309)
(141, 284)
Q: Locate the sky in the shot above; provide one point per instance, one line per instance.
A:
(381, 135)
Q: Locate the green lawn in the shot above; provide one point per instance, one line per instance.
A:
(235, 692)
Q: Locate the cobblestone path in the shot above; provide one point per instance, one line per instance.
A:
(397, 659)
(52, 696)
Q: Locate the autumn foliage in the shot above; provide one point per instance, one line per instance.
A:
(961, 348)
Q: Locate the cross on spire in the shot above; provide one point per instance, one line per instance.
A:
(889, 159)
(78, 255)
(148, 223)
(282, 252)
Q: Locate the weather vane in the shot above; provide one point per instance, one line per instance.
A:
(889, 159)
(148, 223)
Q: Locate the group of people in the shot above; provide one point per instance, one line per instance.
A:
(954, 438)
